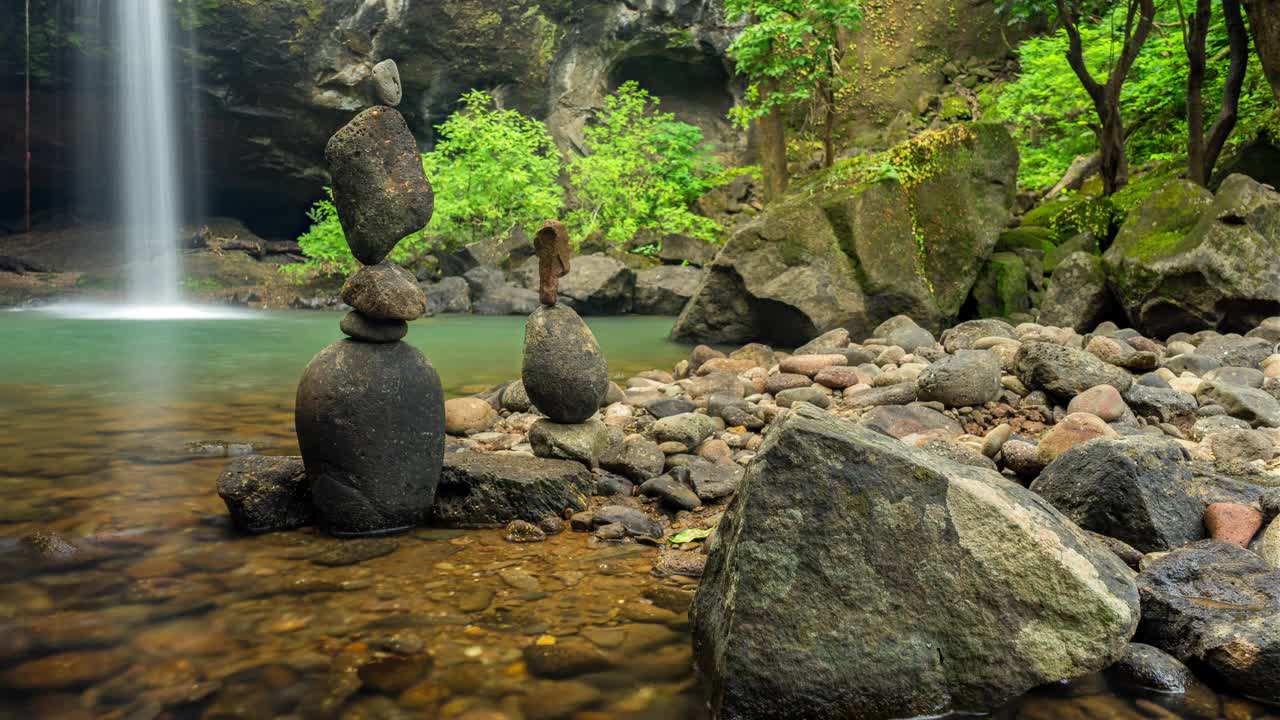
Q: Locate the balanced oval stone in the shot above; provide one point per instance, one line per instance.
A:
(386, 81)
(359, 326)
(379, 187)
(385, 292)
(564, 373)
(370, 421)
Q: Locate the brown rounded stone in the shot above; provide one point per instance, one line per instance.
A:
(1233, 522)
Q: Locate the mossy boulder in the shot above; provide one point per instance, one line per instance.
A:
(1188, 260)
(1029, 238)
(852, 251)
(1002, 287)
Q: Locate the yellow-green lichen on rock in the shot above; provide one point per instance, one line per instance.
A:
(1186, 259)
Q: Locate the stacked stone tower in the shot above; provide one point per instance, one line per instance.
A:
(370, 408)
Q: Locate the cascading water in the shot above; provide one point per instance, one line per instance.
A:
(149, 180)
(138, 169)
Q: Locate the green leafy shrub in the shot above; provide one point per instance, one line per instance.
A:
(492, 170)
(1051, 114)
(643, 170)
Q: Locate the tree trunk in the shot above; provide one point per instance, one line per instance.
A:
(1195, 37)
(1115, 164)
(773, 152)
(829, 131)
(1264, 19)
(1205, 147)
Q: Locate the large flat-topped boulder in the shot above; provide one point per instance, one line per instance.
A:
(488, 490)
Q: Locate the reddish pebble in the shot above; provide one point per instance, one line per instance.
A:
(1233, 522)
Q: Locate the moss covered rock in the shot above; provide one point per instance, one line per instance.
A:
(1187, 260)
(852, 251)
(1002, 287)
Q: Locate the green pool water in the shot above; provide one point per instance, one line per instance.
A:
(268, 351)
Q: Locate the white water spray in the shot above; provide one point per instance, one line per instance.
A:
(149, 183)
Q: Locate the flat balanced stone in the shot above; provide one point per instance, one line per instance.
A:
(564, 372)
(370, 421)
(385, 291)
(361, 327)
(379, 187)
(488, 490)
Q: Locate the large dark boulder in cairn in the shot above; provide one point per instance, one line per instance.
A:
(564, 372)
(370, 409)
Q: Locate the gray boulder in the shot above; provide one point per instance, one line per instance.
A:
(487, 490)
(1151, 668)
(1138, 490)
(932, 587)
(1257, 407)
(492, 295)
(688, 429)
(598, 285)
(968, 378)
(1065, 372)
(1077, 296)
(966, 334)
(664, 290)
(449, 295)
(1218, 605)
(584, 442)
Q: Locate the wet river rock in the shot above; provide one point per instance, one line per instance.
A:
(1216, 604)
(854, 576)
(486, 490)
(370, 421)
(564, 372)
(379, 187)
(266, 494)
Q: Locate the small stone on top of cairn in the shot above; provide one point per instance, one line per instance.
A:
(386, 82)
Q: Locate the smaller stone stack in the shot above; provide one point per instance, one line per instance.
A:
(564, 372)
(370, 409)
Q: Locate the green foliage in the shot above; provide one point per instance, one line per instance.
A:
(642, 171)
(791, 46)
(492, 170)
(1053, 117)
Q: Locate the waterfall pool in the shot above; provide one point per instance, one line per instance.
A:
(167, 613)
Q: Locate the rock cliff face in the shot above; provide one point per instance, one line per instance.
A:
(266, 83)
(275, 79)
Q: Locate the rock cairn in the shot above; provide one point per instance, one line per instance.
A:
(370, 409)
(564, 373)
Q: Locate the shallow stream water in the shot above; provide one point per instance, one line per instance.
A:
(166, 613)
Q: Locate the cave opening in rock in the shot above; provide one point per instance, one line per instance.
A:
(696, 88)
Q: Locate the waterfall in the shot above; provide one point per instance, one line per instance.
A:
(149, 183)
